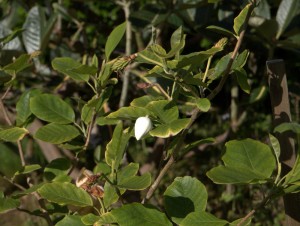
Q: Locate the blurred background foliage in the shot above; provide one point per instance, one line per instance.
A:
(79, 29)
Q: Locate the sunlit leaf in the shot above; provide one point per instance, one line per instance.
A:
(170, 129)
(287, 10)
(245, 161)
(240, 20)
(13, 134)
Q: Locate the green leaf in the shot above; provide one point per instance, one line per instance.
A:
(258, 94)
(110, 194)
(147, 56)
(6, 39)
(245, 161)
(105, 219)
(136, 182)
(131, 113)
(137, 214)
(10, 160)
(74, 220)
(170, 129)
(102, 121)
(90, 219)
(28, 169)
(142, 101)
(18, 65)
(240, 60)
(8, 203)
(203, 219)
(23, 105)
(95, 105)
(239, 21)
(196, 59)
(220, 30)
(288, 126)
(113, 39)
(276, 146)
(52, 109)
(185, 195)
(13, 134)
(116, 147)
(242, 79)
(294, 175)
(197, 143)
(70, 67)
(128, 171)
(56, 133)
(245, 223)
(165, 110)
(57, 167)
(203, 104)
(286, 12)
(65, 194)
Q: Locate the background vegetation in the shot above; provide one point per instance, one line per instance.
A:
(80, 29)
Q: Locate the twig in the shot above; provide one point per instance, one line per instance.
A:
(126, 8)
(196, 112)
(88, 135)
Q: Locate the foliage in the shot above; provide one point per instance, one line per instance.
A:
(86, 167)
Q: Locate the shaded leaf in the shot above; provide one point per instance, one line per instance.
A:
(65, 194)
(131, 113)
(114, 38)
(18, 64)
(74, 220)
(57, 167)
(72, 68)
(242, 79)
(185, 195)
(90, 219)
(258, 94)
(203, 219)
(136, 182)
(203, 104)
(23, 105)
(137, 214)
(8, 203)
(56, 133)
(220, 30)
(52, 109)
(116, 147)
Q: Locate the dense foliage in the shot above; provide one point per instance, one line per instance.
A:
(144, 112)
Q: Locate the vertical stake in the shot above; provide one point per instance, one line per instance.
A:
(281, 113)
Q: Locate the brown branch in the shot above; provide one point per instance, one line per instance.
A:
(197, 111)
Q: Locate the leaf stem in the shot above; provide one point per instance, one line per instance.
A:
(207, 68)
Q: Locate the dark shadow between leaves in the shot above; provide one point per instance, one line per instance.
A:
(178, 207)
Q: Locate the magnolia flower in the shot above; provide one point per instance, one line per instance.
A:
(142, 126)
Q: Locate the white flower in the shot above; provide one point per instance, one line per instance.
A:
(142, 126)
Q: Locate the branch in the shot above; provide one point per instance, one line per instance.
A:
(196, 112)
(126, 8)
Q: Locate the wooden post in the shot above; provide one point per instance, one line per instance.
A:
(281, 113)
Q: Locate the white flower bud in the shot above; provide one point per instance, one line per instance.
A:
(142, 126)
